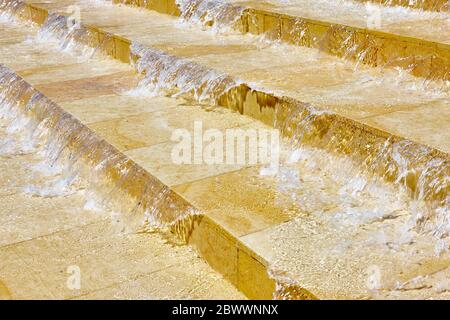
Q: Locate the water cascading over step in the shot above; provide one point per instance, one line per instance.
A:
(163, 73)
(365, 45)
(422, 171)
(116, 181)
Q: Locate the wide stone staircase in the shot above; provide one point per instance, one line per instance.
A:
(357, 207)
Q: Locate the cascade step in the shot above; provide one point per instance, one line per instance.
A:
(417, 42)
(43, 237)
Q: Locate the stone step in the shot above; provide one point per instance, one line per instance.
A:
(417, 42)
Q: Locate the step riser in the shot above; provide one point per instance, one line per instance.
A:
(421, 58)
(240, 265)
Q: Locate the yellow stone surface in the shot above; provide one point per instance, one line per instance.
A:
(294, 214)
(114, 113)
(88, 87)
(219, 248)
(254, 272)
(114, 106)
(4, 292)
(426, 25)
(157, 159)
(177, 282)
(147, 129)
(360, 262)
(418, 124)
(112, 266)
(242, 201)
(25, 216)
(71, 72)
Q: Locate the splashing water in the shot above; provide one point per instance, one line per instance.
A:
(211, 13)
(339, 40)
(416, 169)
(69, 37)
(360, 9)
(348, 211)
(10, 9)
(166, 74)
(397, 160)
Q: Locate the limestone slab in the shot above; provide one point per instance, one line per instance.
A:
(241, 201)
(114, 106)
(418, 124)
(83, 69)
(88, 87)
(108, 262)
(176, 282)
(24, 217)
(363, 262)
(156, 127)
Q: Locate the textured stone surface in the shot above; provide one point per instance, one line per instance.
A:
(290, 223)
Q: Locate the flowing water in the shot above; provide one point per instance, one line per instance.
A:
(355, 11)
(419, 205)
(165, 73)
(317, 183)
(73, 149)
(61, 185)
(212, 13)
